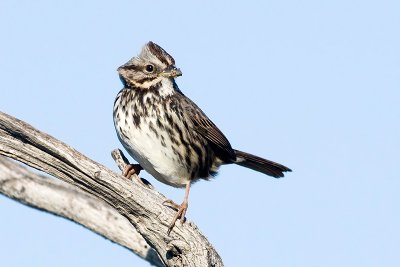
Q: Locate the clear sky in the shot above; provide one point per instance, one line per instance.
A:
(314, 85)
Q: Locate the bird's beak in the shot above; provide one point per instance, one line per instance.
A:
(171, 72)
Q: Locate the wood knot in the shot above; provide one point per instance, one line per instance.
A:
(176, 248)
(97, 174)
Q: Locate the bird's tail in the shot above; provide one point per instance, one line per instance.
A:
(261, 165)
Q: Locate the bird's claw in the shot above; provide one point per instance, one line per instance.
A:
(134, 169)
(180, 214)
(171, 204)
(131, 169)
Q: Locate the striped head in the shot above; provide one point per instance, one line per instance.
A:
(149, 68)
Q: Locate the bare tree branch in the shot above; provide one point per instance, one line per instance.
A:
(140, 205)
(70, 202)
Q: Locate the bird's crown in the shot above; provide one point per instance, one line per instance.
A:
(148, 68)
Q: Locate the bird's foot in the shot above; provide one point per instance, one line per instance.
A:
(134, 169)
(171, 204)
(180, 214)
(131, 169)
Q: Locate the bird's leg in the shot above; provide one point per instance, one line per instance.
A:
(131, 169)
(181, 209)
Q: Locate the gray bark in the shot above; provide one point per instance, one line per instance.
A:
(140, 205)
(67, 201)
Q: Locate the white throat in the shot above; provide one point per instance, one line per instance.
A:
(167, 87)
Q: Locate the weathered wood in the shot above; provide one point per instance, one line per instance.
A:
(70, 202)
(142, 206)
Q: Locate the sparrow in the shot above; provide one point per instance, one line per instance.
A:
(167, 133)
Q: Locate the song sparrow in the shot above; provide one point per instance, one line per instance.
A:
(169, 135)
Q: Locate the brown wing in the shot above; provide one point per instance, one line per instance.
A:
(206, 128)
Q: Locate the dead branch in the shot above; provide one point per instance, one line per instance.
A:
(139, 204)
(70, 202)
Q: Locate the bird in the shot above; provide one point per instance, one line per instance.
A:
(169, 136)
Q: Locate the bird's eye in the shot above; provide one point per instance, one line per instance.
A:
(149, 68)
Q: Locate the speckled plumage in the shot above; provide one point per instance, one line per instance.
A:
(168, 134)
(160, 139)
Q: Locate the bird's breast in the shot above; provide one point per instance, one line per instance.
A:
(157, 137)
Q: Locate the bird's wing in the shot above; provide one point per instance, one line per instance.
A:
(206, 128)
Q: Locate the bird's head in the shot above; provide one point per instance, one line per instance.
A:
(151, 66)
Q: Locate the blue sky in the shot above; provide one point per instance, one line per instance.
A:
(314, 85)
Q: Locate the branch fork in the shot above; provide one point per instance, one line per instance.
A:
(140, 208)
